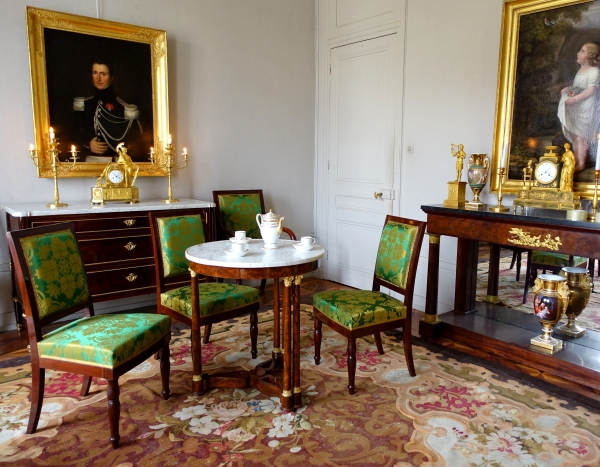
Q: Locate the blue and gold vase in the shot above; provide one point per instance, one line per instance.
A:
(477, 175)
(550, 300)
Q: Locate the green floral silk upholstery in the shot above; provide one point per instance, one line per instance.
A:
(56, 271)
(106, 341)
(238, 212)
(554, 259)
(215, 297)
(393, 257)
(176, 235)
(359, 308)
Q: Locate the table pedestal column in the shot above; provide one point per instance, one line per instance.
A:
(296, 355)
(287, 401)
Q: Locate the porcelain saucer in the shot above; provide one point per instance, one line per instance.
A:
(235, 254)
(235, 240)
(298, 246)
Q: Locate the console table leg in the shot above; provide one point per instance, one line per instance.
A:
(466, 276)
(431, 326)
(493, 274)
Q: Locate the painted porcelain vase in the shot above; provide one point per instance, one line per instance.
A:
(550, 300)
(271, 226)
(580, 288)
(477, 175)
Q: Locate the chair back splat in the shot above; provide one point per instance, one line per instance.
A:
(358, 313)
(52, 285)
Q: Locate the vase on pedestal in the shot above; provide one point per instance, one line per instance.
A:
(580, 288)
(550, 300)
(477, 176)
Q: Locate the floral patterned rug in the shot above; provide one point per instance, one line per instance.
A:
(453, 413)
(510, 291)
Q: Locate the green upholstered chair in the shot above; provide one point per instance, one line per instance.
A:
(546, 260)
(52, 285)
(171, 236)
(358, 313)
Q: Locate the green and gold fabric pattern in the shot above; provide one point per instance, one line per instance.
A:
(238, 212)
(176, 235)
(554, 259)
(106, 341)
(56, 271)
(393, 256)
(355, 309)
(215, 297)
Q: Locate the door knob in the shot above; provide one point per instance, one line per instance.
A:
(378, 195)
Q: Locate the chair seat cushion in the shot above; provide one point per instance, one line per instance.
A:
(355, 309)
(215, 297)
(554, 259)
(106, 341)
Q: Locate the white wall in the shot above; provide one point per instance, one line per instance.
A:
(241, 98)
(451, 69)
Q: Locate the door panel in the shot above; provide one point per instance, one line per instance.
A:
(362, 108)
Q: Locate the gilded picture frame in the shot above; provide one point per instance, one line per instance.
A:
(62, 48)
(538, 62)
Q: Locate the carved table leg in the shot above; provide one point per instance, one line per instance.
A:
(493, 274)
(287, 401)
(431, 326)
(296, 352)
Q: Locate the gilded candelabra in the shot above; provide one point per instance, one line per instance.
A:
(592, 216)
(57, 166)
(499, 207)
(165, 160)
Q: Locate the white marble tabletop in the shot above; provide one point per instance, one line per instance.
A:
(213, 254)
(40, 209)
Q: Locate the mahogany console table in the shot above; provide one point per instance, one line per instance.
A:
(488, 326)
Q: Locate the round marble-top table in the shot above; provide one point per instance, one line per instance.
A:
(286, 262)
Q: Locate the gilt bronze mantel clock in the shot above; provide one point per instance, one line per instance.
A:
(549, 184)
(119, 178)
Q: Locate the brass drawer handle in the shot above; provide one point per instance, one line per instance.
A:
(131, 277)
(130, 246)
(129, 222)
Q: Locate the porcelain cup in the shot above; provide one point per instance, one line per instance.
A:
(239, 249)
(240, 235)
(307, 242)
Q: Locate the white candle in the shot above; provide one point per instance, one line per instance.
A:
(598, 154)
(170, 140)
(504, 154)
(31, 147)
(72, 148)
(184, 150)
(151, 150)
(51, 134)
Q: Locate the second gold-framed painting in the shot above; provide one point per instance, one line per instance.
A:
(548, 87)
(97, 83)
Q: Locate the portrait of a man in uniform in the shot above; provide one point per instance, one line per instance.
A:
(99, 95)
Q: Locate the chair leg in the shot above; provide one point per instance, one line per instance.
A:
(317, 338)
(513, 260)
(518, 266)
(207, 331)
(407, 338)
(165, 370)
(254, 332)
(85, 387)
(37, 396)
(114, 411)
(378, 343)
(528, 273)
(263, 284)
(351, 365)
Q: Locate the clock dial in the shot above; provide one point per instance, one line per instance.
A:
(115, 176)
(546, 172)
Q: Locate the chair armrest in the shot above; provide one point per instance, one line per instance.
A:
(290, 233)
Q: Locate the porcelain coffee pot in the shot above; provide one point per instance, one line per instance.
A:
(270, 225)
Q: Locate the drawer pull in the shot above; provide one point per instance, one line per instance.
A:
(130, 246)
(131, 277)
(129, 222)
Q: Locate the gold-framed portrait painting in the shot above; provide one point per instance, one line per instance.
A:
(96, 83)
(548, 87)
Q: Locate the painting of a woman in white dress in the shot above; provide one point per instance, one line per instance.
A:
(577, 108)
